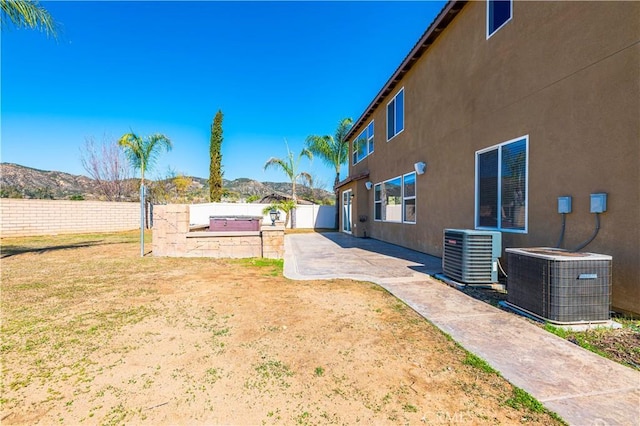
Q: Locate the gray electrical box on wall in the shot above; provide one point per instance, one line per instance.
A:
(598, 203)
(564, 204)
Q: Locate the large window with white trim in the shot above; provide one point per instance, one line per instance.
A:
(395, 115)
(501, 186)
(409, 198)
(394, 200)
(363, 144)
(499, 12)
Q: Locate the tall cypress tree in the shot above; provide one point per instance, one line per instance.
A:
(215, 167)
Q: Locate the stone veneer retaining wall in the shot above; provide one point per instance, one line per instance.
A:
(24, 217)
(172, 238)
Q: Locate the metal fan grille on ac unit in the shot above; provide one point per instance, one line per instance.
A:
(470, 256)
(560, 286)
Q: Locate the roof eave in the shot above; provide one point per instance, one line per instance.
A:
(446, 15)
(350, 179)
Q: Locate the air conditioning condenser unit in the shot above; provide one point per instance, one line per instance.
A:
(559, 286)
(471, 256)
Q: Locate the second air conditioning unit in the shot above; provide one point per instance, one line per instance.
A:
(471, 256)
(560, 286)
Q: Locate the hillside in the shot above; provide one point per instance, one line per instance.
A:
(18, 181)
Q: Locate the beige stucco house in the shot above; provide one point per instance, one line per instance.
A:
(499, 109)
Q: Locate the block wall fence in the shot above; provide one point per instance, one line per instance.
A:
(20, 217)
(25, 217)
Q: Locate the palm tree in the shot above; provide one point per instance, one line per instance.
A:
(142, 154)
(290, 167)
(27, 14)
(333, 150)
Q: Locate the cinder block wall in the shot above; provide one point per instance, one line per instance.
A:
(19, 217)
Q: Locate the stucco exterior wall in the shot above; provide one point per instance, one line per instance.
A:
(23, 217)
(567, 74)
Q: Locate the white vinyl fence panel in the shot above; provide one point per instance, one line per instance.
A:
(314, 216)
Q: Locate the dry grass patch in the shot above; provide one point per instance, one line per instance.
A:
(94, 334)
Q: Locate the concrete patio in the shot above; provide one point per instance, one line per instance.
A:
(581, 387)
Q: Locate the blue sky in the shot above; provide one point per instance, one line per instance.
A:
(277, 70)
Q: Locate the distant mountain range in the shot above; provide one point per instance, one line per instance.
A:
(18, 181)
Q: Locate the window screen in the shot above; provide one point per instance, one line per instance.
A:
(501, 186)
(409, 198)
(498, 13)
(395, 115)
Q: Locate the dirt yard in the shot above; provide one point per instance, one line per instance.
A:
(93, 334)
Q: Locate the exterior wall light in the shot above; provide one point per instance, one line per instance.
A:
(274, 215)
(420, 167)
(368, 185)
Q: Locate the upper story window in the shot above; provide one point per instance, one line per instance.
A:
(499, 12)
(395, 115)
(363, 144)
(501, 186)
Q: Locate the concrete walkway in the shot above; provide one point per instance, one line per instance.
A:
(581, 387)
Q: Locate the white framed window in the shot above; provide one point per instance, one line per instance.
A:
(394, 200)
(395, 115)
(502, 181)
(377, 201)
(363, 144)
(409, 198)
(499, 12)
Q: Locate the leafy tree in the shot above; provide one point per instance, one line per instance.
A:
(333, 150)
(26, 14)
(230, 196)
(10, 192)
(290, 166)
(43, 193)
(215, 152)
(182, 184)
(159, 190)
(172, 187)
(142, 154)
